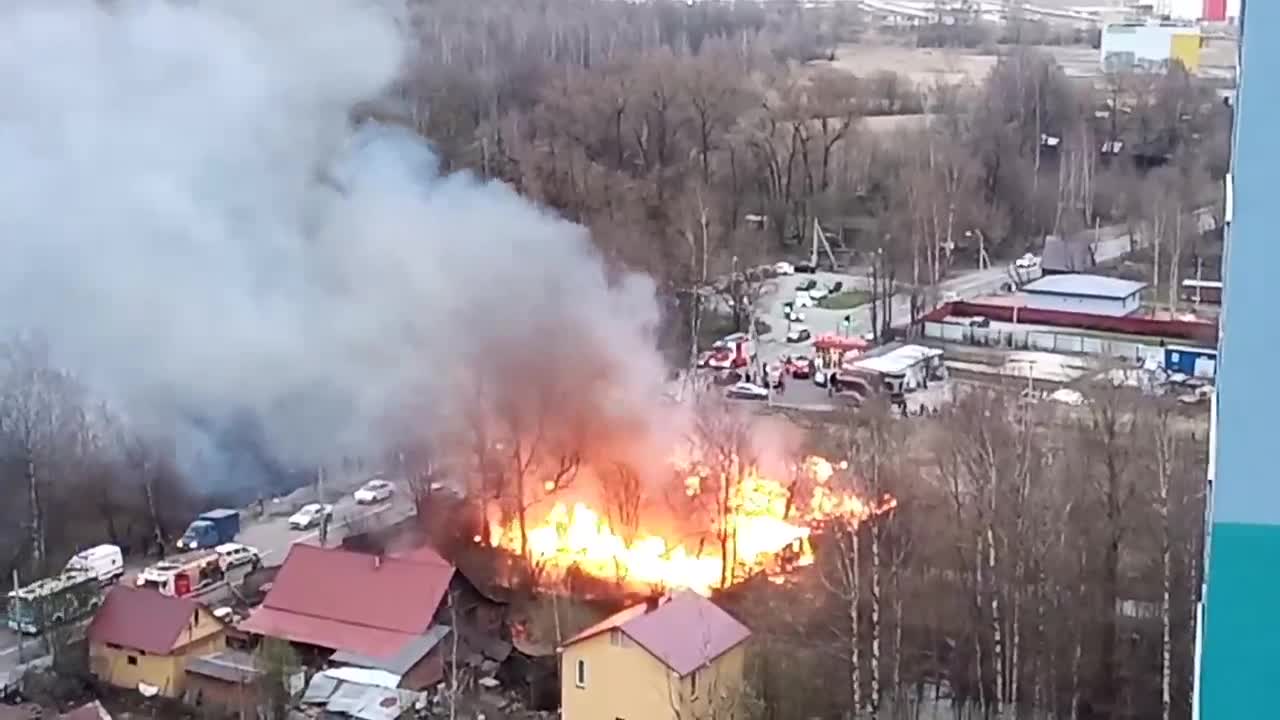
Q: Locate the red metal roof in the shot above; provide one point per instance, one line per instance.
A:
(142, 619)
(332, 634)
(685, 632)
(345, 600)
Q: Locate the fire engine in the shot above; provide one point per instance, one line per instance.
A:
(184, 575)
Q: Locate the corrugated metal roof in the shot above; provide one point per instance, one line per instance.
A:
(685, 632)
(1085, 285)
(342, 696)
(405, 658)
(142, 619)
(345, 600)
(232, 666)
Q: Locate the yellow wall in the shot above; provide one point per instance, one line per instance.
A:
(627, 683)
(1185, 48)
(111, 663)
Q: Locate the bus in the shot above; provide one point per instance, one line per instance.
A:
(54, 601)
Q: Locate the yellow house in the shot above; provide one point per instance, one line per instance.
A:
(677, 658)
(142, 639)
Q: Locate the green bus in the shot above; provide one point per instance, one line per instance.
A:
(54, 601)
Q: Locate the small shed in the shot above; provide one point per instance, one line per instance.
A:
(1085, 294)
(225, 680)
(1192, 361)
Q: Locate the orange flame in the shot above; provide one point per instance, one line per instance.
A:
(769, 524)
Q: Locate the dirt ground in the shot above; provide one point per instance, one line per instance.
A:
(924, 66)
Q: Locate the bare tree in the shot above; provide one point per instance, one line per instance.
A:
(1165, 444)
(722, 438)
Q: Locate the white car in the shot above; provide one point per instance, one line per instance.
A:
(374, 491)
(747, 391)
(799, 334)
(234, 555)
(784, 268)
(309, 515)
(951, 296)
(819, 292)
(803, 300)
(1027, 262)
(1067, 396)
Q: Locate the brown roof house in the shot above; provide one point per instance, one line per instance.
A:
(378, 612)
(141, 639)
(675, 657)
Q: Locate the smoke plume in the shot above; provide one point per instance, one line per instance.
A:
(189, 218)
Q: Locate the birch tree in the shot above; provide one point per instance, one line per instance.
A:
(1164, 441)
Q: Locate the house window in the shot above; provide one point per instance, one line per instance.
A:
(617, 638)
(131, 659)
(693, 684)
(580, 673)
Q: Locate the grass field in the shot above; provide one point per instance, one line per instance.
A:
(846, 300)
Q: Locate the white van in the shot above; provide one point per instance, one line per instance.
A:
(106, 562)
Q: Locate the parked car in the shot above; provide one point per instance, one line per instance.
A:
(806, 267)
(310, 515)
(950, 296)
(799, 334)
(807, 285)
(819, 292)
(801, 367)
(1198, 395)
(747, 391)
(1027, 262)
(1067, 396)
(784, 268)
(976, 321)
(235, 554)
(820, 378)
(373, 491)
(803, 299)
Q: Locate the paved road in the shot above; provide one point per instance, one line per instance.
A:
(273, 538)
(1113, 242)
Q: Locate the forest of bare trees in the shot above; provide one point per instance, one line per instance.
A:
(1042, 563)
(665, 127)
(73, 472)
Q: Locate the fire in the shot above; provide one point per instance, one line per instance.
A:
(768, 525)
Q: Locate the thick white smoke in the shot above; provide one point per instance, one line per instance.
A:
(189, 219)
